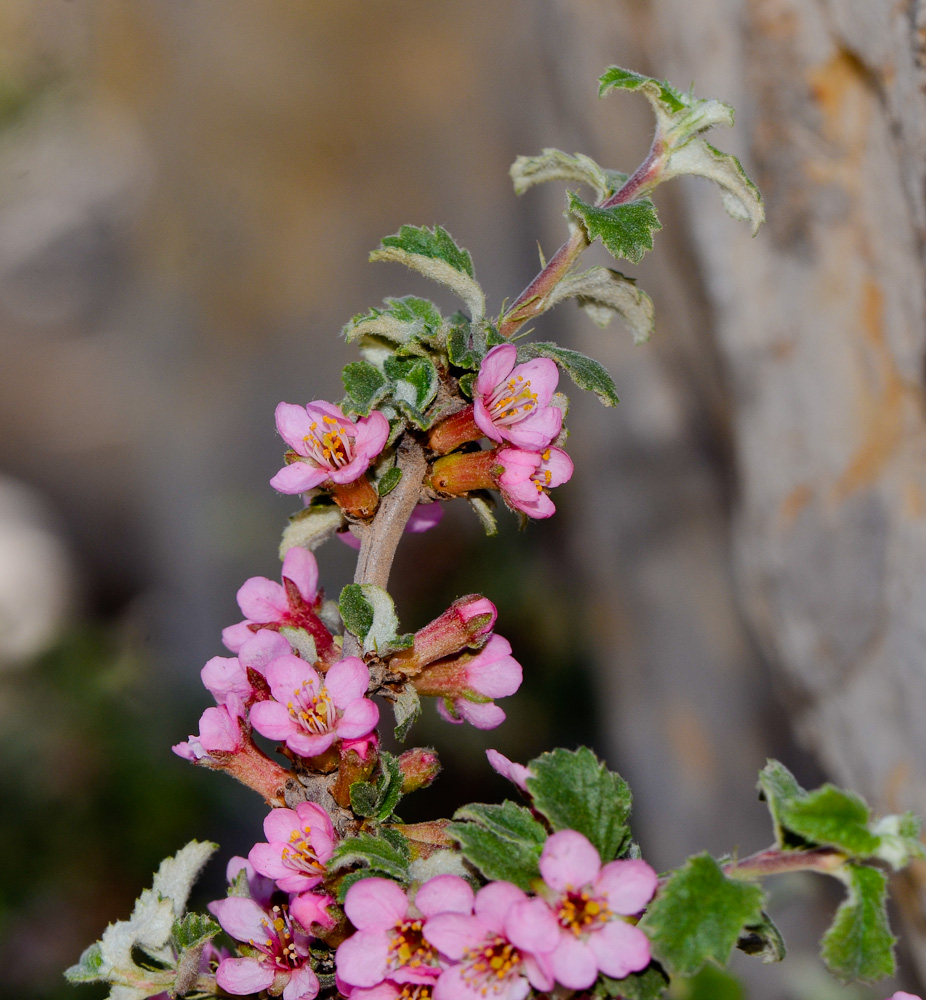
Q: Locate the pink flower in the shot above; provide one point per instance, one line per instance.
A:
(328, 445)
(468, 683)
(219, 732)
(591, 903)
(388, 942)
(299, 842)
(309, 713)
(225, 675)
(292, 603)
(903, 996)
(527, 474)
(501, 949)
(515, 773)
(512, 402)
(283, 950)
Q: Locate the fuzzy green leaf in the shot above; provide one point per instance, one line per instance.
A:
(407, 708)
(388, 481)
(831, 817)
(555, 165)
(699, 915)
(899, 840)
(356, 611)
(365, 385)
(575, 791)
(433, 253)
(502, 841)
(467, 344)
(389, 784)
(90, 967)
(711, 983)
(626, 230)
(859, 945)
(587, 373)
(616, 78)
(415, 384)
(311, 526)
(482, 504)
(602, 292)
(649, 984)
(369, 613)
(777, 787)
(194, 929)
(374, 852)
(403, 320)
(763, 940)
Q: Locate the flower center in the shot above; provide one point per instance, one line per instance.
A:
(279, 946)
(408, 948)
(542, 477)
(580, 911)
(312, 710)
(415, 991)
(491, 964)
(329, 445)
(301, 855)
(511, 401)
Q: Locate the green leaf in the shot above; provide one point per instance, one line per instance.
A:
(407, 708)
(366, 386)
(741, 198)
(778, 786)
(311, 526)
(649, 984)
(388, 481)
(763, 940)
(466, 344)
(602, 292)
(377, 799)
(502, 841)
(303, 642)
(699, 914)
(584, 371)
(402, 321)
(364, 798)
(711, 983)
(482, 504)
(860, 945)
(466, 384)
(375, 852)
(369, 613)
(626, 230)
(831, 817)
(192, 930)
(415, 384)
(616, 78)
(90, 967)
(555, 165)
(433, 253)
(575, 791)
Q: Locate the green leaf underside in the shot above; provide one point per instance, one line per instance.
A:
(407, 708)
(365, 385)
(859, 945)
(699, 915)
(310, 527)
(616, 78)
(649, 984)
(502, 841)
(389, 785)
(777, 785)
(575, 791)
(602, 293)
(763, 940)
(436, 243)
(415, 382)
(482, 507)
(625, 230)
(375, 852)
(89, 968)
(587, 373)
(402, 321)
(555, 165)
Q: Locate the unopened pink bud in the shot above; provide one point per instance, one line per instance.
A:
(466, 623)
(419, 768)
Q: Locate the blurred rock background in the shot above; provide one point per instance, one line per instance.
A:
(188, 192)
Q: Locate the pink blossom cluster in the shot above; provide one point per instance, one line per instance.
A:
(275, 919)
(453, 944)
(267, 686)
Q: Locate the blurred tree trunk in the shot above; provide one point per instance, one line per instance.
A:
(818, 328)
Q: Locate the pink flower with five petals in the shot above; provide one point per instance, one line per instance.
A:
(299, 842)
(328, 445)
(526, 475)
(309, 712)
(591, 902)
(512, 402)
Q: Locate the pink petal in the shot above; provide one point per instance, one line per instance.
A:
(241, 918)
(559, 465)
(268, 860)
(445, 713)
(526, 498)
(629, 885)
(539, 971)
(271, 719)
(303, 985)
(574, 963)
(261, 648)
(543, 376)
(481, 716)
(453, 934)
(287, 674)
(372, 433)
(620, 948)
(532, 926)
(299, 565)
(375, 903)
(262, 601)
(424, 517)
(351, 540)
(318, 409)
(294, 423)
(569, 861)
(219, 731)
(515, 773)
(235, 636)
(384, 991)
(493, 672)
(359, 718)
(536, 430)
(518, 465)
(323, 837)
(312, 908)
(496, 367)
(484, 420)
(347, 680)
(223, 674)
(363, 959)
(493, 902)
(309, 746)
(445, 894)
(243, 976)
(299, 477)
(279, 824)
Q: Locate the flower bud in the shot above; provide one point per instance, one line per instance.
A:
(419, 768)
(466, 623)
